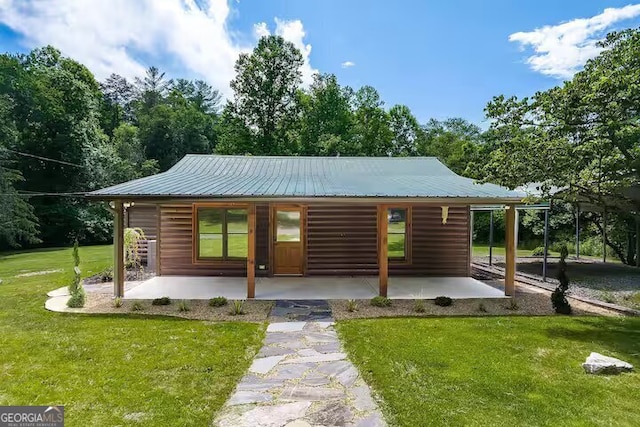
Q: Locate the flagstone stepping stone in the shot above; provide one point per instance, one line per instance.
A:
(362, 399)
(286, 326)
(266, 416)
(348, 376)
(274, 351)
(311, 393)
(333, 347)
(334, 368)
(373, 420)
(329, 357)
(332, 414)
(287, 372)
(242, 397)
(264, 364)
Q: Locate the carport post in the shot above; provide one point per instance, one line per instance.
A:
(118, 249)
(546, 245)
(383, 260)
(510, 249)
(251, 252)
(577, 231)
(604, 235)
(491, 237)
(637, 239)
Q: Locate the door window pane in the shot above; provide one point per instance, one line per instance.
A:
(396, 233)
(288, 226)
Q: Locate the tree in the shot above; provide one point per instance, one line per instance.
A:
(405, 129)
(587, 131)
(265, 89)
(326, 114)
(18, 224)
(372, 135)
(454, 141)
(117, 97)
(56, 115)
(152, 88)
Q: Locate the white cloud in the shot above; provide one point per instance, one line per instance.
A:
(112, 36)
(292, 31)
(560, 50)
(347, 64)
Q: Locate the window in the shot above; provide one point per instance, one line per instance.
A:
(287, 226)
(222, 233)
(397, 219)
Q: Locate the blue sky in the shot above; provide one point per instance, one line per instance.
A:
(441, 58)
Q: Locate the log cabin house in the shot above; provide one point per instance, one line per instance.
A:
(248, 216)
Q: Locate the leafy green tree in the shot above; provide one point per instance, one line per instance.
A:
(372, 136)
(454, 141)
(326, 113)
(117, 98)
(406, 131)
(56, 115)
(18, 224)
(265, 95)
(586, 132)
(152, 88)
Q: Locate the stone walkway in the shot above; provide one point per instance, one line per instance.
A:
(301, 378)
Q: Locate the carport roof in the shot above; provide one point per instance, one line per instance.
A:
(216, 176)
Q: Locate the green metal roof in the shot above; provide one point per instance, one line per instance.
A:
(197, 176)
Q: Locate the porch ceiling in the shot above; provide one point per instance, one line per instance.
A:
(301, 288)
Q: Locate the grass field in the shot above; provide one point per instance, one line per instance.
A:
(111, 370)
(497, 371)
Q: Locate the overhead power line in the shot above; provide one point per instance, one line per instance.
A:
(47, 159)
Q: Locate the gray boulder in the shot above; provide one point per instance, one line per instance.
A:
(597, 363)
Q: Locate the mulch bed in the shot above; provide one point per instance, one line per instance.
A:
(533, 304)
(254, 311)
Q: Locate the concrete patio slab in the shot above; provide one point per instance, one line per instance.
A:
(307, 288)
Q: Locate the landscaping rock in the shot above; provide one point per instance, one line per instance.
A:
(597, 363)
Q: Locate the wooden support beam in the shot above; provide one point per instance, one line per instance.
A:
(118, 250)
(510, 249)
(251, 253)
(383, 256)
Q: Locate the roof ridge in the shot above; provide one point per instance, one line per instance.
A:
(241, 156)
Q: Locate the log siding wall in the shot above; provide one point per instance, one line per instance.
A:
(341, 240)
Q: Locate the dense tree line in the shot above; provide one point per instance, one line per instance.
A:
(581, 137)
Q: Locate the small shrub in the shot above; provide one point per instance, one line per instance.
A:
(352, 306)
(78, 298)
(218, 302)
(137, 306)
(117, 302)
(558, 296)
(106, 275)
(418, 306)
(381, 301)
(443, 301)
(513, 305)
(539, 251)
(183, 307)
(237, 307)
(482, 308)
(161, 301)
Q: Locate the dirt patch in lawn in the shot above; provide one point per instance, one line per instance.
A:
(527, 303)
(254, 311)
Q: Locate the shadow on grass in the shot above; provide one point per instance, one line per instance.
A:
(619, 335)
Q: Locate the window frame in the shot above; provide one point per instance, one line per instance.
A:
(407, 234)
(196, 258)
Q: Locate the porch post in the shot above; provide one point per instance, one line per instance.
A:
(118, 249)
(251, 253)
(510, 249)
(383, 259)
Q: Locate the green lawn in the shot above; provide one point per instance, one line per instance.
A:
(497, 371)
(483, 250)
(111, 370)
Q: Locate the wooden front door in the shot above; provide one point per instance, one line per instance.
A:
(288, 239)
